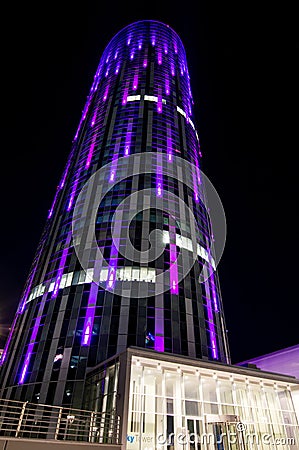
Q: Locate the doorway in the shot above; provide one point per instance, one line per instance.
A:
(195, 430)
(225, 436)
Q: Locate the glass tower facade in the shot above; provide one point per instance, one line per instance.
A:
(69, 319)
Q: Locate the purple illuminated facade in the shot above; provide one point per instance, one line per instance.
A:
(140, 101)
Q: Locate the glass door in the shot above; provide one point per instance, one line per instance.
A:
(194, 429)
(224, 436)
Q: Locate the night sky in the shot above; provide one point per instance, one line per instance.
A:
(242, 60)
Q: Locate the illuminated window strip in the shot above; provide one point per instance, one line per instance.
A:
(184, 242)
(132, 98)
(153, 98)
(144, 274)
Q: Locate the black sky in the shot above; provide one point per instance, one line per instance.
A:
(242, 60)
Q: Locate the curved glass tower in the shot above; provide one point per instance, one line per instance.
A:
(69, 321)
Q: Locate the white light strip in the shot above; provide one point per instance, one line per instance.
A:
(181, 111)
(184, 242)
(192, 124)
(154, 98)
(132, 98)
(151, 98)
(144, 274)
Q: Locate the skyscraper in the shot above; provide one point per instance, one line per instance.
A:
(136, 140)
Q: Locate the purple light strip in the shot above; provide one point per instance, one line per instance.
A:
(159, 103)
(90, 313)
(211, 325)
(159, 342)
(167, 90)
(145, 58)
(117, 69)
(172, 69)
(212, 329)
(212, 283)
(60, 272)
(128, 139)
(110, 283)
(169, 144)
(196, 196)
(90, 153)
(135, 81)
(112, 273)
(106, 93)
(53, 204)
(97, 84)
(199, 151)
(85, 110)
(28, 289)
(211, 280)
(174, 287)
(112, 175)
(94, 118)
(114, 162)
(65, 174)
(29, 350)
(189, 87)
(77, 132)
(159, 57)
(12, 328)
(124, 101)
(159, 188)
(72, 195)
(198, 171)
(111, 279)
(159, 179)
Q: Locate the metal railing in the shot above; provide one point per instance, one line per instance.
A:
(37, 421)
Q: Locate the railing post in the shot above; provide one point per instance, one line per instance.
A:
(21, 418)
(91, 427)
(58, 424)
